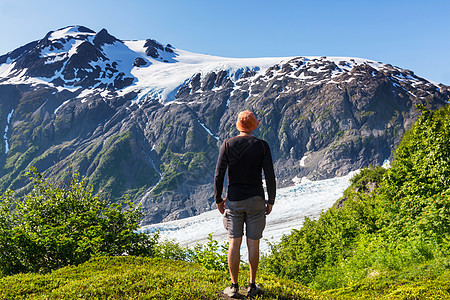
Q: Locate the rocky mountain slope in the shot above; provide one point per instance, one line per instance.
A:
(146, 119)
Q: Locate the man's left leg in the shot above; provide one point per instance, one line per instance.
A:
(234, 258)
(256, 222)
(233, 219)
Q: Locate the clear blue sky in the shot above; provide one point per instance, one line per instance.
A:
(410, 34)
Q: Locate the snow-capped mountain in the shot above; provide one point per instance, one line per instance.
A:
(145, 118)
(76, 58)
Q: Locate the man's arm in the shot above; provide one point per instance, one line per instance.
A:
(269, 175)
(219, 176)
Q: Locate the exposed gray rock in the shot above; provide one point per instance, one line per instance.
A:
(139, 62)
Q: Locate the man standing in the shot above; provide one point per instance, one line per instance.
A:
(246, 157)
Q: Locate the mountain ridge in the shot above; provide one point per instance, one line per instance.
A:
(146, 119)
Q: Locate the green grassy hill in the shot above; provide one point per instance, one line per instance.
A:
(152, 278)
(138, 278)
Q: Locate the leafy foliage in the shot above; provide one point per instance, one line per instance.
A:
(211, 255)
(318, 243)
(371, 175)
(169, 249)
(415, 194)
(52, 227)
(401, 225)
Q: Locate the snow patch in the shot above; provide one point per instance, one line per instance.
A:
(5, 136)
(399, 86)
(54, 59)
(6, 68)
(207, 130)
(303, 160)
(64, 33)
(64, 103)
(64, 51)
(296, 180)
(156, 169)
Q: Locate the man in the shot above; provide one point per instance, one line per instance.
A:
(245, 156)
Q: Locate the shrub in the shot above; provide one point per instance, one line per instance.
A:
(211, 255)
(53, 227)
(373, 174)
(322, 242)
(169, 249)
(415, 195)
(403, 223)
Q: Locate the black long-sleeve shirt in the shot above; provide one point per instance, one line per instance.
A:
(245, 157)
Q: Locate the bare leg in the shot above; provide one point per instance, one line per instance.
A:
(253, 257)
(234, 258)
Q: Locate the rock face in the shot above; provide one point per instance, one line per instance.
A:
(145, 119)
(139, 62)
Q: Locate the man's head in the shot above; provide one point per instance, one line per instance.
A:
(246, 121)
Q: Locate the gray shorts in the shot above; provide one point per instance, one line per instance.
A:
(251, 211)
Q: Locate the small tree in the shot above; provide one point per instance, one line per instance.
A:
(53, 227)
(211, 255)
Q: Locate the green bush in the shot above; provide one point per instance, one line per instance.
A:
(169, 249)
(323, 242)
(415, 195)
(53, 227)
(373, 174)
(401, 225)
(211, 255)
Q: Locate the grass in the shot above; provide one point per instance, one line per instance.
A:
(155, 278)
(139, 278)
(430, 280)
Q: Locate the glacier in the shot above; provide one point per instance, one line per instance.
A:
(304, 199)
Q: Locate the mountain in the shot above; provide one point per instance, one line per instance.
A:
(146, 119)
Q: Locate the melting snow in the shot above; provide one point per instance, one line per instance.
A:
(207, 130)
(399, 86)
(64, 103)
(65, 50)
(5, 136)
(303, 160)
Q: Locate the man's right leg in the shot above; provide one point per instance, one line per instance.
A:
(234, 258)
(253, 257)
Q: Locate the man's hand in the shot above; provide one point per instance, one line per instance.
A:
(268, 208)
(221, 206)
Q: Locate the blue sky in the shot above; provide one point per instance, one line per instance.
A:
(410, 34)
